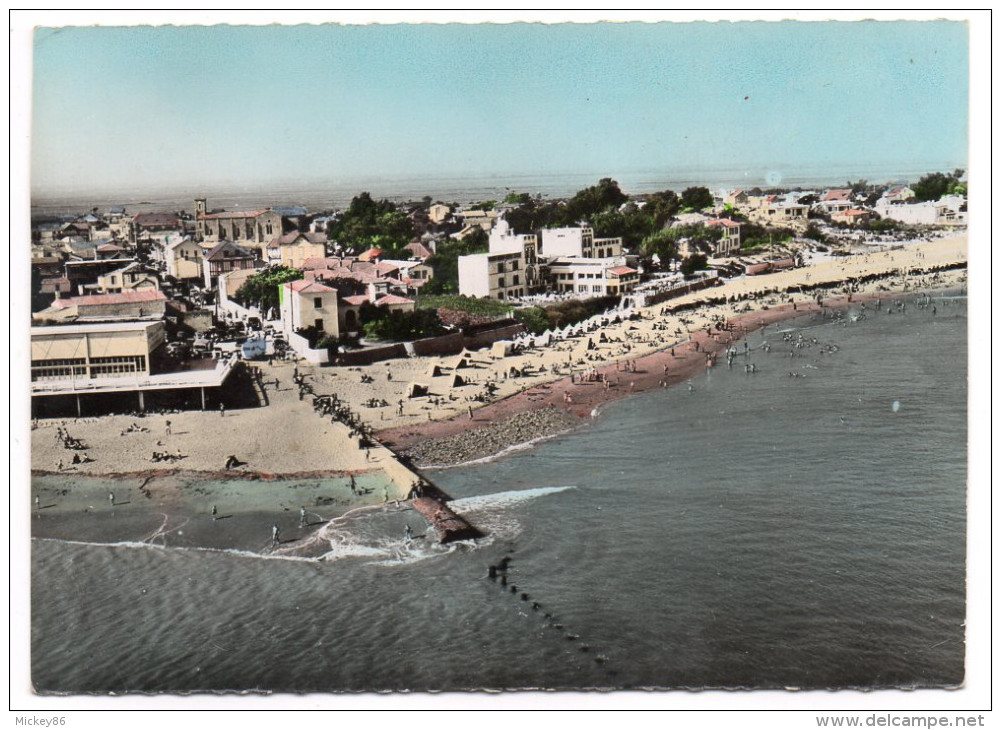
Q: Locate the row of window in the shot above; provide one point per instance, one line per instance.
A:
(66, 368)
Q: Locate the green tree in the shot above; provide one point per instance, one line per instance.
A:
(595, 199)
(936, 184)
(689, 266)
(517, 199)
(261, 289)
(367, 223)
(696, 198)
(445, 261)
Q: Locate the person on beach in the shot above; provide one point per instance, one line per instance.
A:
(111, 498)
(275, 532)
(470, 409)
(408, 534)
(168, 428)
(222, 410)
(302, 517)
(215, 513)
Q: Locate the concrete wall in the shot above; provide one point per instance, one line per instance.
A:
(301, 346)
(374, 354)
(443, 345)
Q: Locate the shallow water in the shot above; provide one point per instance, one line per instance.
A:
(761, 530)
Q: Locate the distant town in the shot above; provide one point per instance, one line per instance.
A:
(171, 294)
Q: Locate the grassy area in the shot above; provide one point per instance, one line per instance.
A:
(482, 307)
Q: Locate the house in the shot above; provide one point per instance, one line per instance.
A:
(418, 250)
(225, 256)
(294, 248)
(783, 210)
(586, 278)
(735, 198)
(729, 244)
(143, 304)
(86, 351)
(852, 216)
(131, 277)
(395, 303)
(304, 304)
(439, 213)
(897, 194)
(947, 211)
(183, 258)
(109, 251)
(483, 219)
(251, 229)
(836, 200)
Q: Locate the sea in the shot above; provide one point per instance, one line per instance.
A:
(318, 196)
(801, 526)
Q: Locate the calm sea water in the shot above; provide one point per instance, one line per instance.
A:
(319, 196)
(760, 530)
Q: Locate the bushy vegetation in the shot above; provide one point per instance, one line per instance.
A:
(472, 305)
(379, 323)
(936, 184)
(261, 289)
(697, 262)
(368, 223)
(561, 314)
(445, 262)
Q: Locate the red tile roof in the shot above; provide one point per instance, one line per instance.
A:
(356, 300)
(622, 271)
(308, 287)
(838, 194)
(372, 253)
(418, 249)
(723, 222)
(392, 299)
(127, 297)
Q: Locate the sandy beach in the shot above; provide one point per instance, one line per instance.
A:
(286, 444)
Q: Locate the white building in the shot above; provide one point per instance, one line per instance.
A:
(947, 211)
(579, 242)
(493, 275)
(586, 278)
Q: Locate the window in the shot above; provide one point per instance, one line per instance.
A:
(500, 282)
(317, 302)
(318, 323)
(514, 280)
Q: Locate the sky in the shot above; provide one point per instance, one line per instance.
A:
(136, 108)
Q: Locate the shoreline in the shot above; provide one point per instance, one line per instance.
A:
(684, 360)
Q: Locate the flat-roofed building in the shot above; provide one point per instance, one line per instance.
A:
(579, 242)
(86, 351)
(493, 275)
(585, 278)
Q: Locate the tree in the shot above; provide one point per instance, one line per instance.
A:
(663, 244)
(445, 261)
(517, 199)
(261, 289)
(368, 223)
(689, 266)
(595, 199)
(936, 184)
(696, 198)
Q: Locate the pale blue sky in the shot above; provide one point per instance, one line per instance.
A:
(141, 107)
